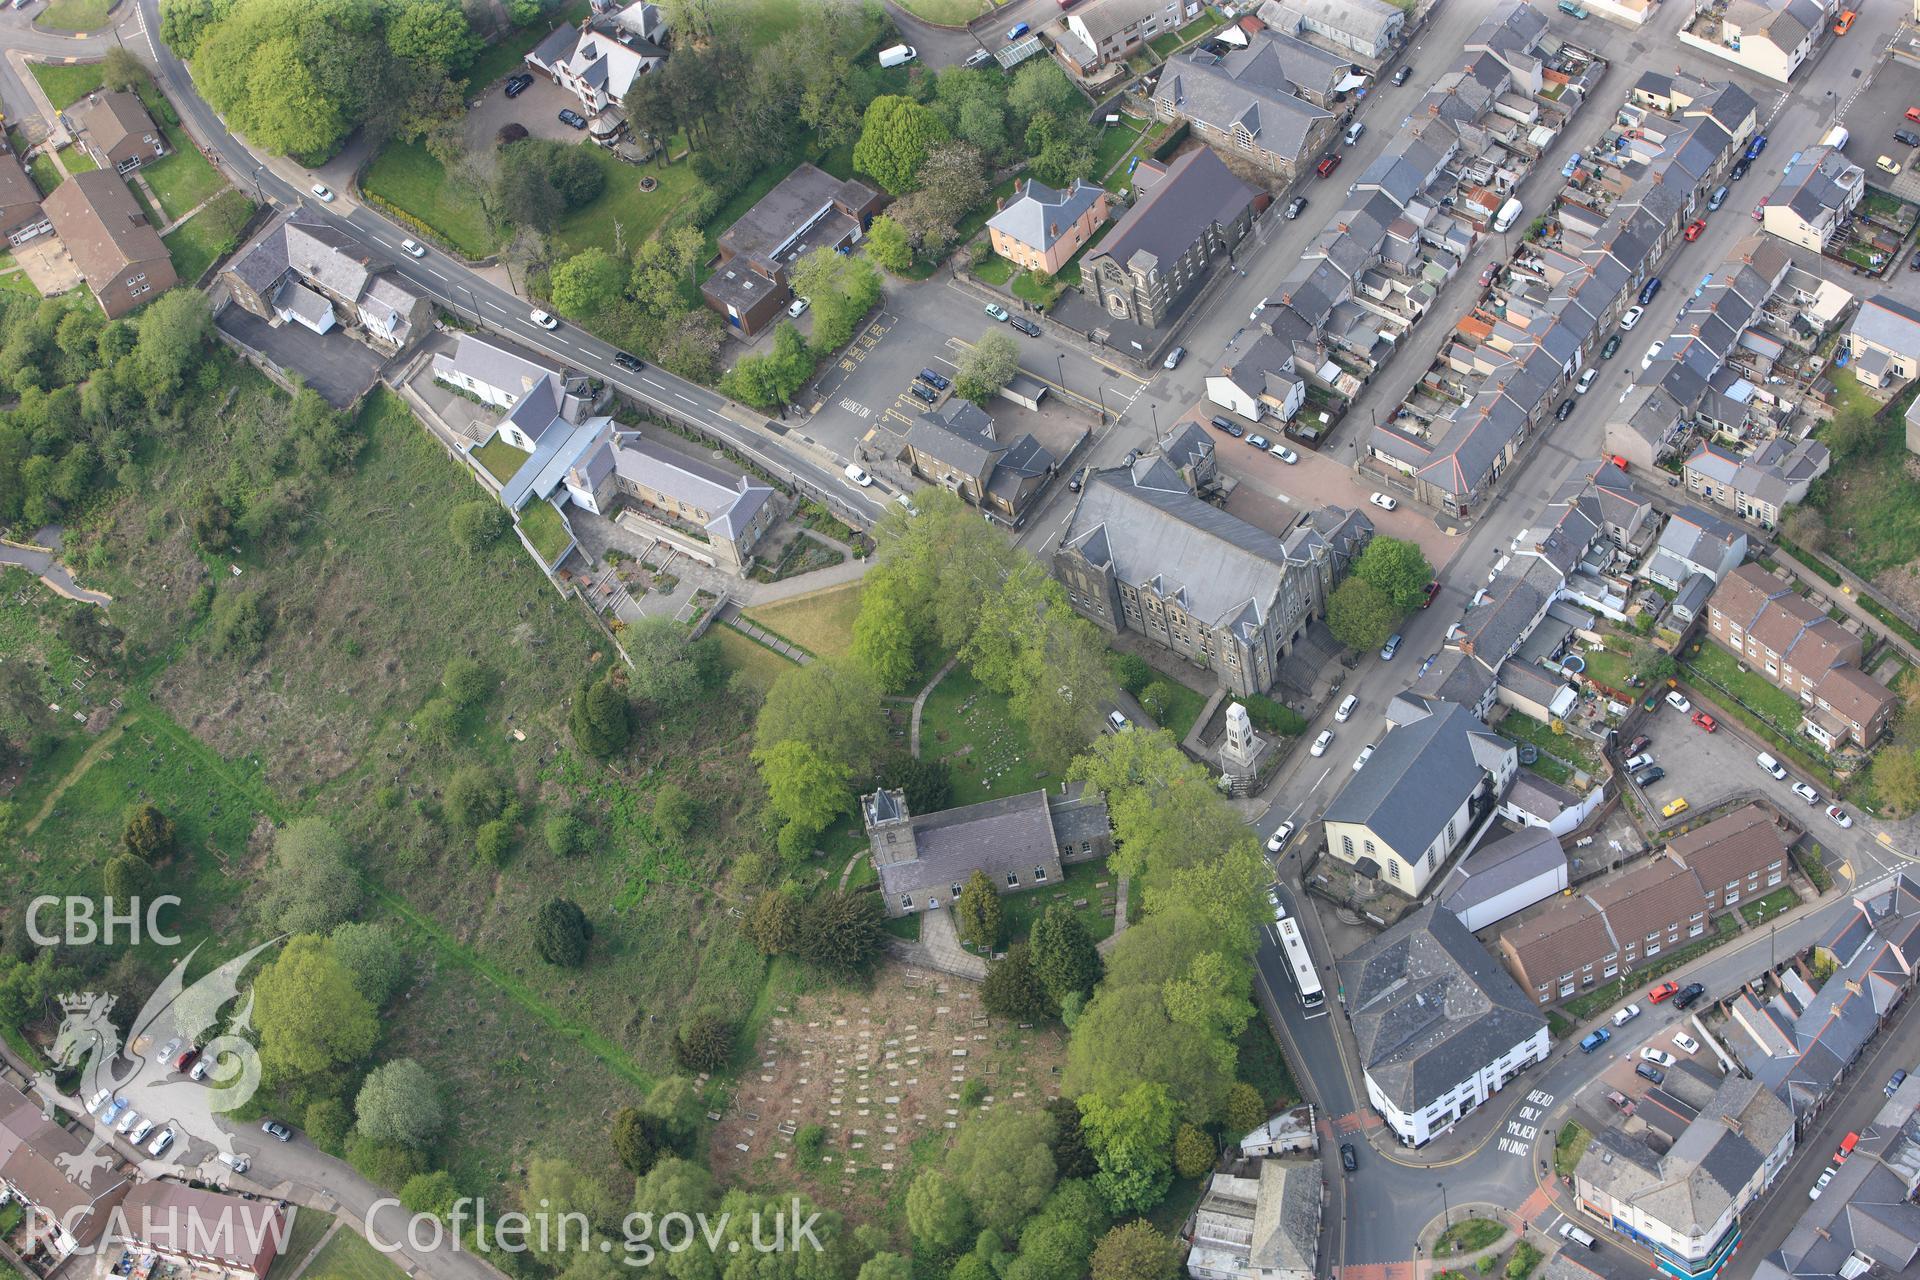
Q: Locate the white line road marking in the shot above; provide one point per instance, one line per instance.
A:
(435, 274)
(686, 399)
(650, 382)
(855, 407)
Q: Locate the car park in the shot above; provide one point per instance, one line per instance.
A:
(1278, 840)
(1174, 357)
(859, 477)
(1826, 1176)
(1366, 754)
(542, 319)
(1631, 317)
(1806, 793)
(517, 85)
(1594, 1039)
(1635, 763)
(1023, 325)
(1647, 1071)
(1627, 1013)
(1689, 994)
(1771, 767)
(1345, 710)
(1653, 353)
(1258, 441)
(1321, 743)
(1328, 165)
(1649, 775)
(323, 191)
(1658, 1057)
(1678, 702)
(1585, 384)
(1611, 346)
(1694, 229)
(1685, 1043)
(414, 248)
(1705, 721)
(1295, 207)
(1894, 1082)
(1382, 501)
(924, 394)
(1665, 991)
(995, 310)
(933, 379)
(1283, 453)
(1391, 647)
(572, 119)
(1840, 816)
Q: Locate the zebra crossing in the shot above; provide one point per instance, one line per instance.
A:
(1524, 1125)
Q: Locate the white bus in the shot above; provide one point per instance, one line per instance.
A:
(1305, 980)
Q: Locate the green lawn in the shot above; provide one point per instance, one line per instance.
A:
(1164, 46)
(1568, 1147)
(17, 282)
(546, 530)
(1760, 910)
(1563, 748)
(77, 161)
(74, 15)
(407, 176)
(45, 174)
(638, 213)
(1466, 1235)
(500, 458)
(994, 269)
(203, 239)
(761, 665)
(349, 1257)
(308, 1226)
(948, 13)
(1720, 667)
(182, 179)
(1872, 504)
(65, 83)
(973, 731)
(1020, 910)
(820, 622)
(506, 54)
(1183, 707)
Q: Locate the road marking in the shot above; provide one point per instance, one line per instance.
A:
(435, 274)
(686, 399)
(650, 382)
(855, 407)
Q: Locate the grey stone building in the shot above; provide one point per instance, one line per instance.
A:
(1021, 842)
(1183, 219)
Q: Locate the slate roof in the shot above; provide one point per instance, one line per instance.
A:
(1418, 777)
(1429, 1007)
(1492, 630)
(1498, 865)
(239, 1233)
(491, 365)
(1732, 847)
(733, 499)
(1887, 323)
(104, 230)
(1011, 833)
(111, 118)
(33, 1155)
(1363, 19)
(1819, 180)
(1197, 192)
(1040, 215)
(1268, 1222)
(1107, 18)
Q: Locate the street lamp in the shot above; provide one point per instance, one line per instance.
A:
(1103, 404)
(1446, 1214)
(472, 302)
(1060, 368)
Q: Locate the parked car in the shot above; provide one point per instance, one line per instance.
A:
(1839, 816)
(1348, 1160)
(517, 85)
(1328, 165)
(1278, 840)
(1649, 775)
(1639, 744)
(1321, 743)
(1658, 1057)
(167, 1051)
(1674, 807)
(1429, 593)
(276, 1129)
(1118, 722)
(1678, 702)
(1913, 114)
(1665, 991)
(1391, 647)
(572, 119)
(1382, 501)
(1585, 384)
(631, 363)
(138, 1134)
(1366, 754)
(1620, 1102)
(997, 311)
(1653, 353)
(798, 307)
(1347, 704)
(924, 394)
(1017, 30)
(1649, 290)
(1694, 229)
(1023, 325)
(1283, 453)
(414, 248)
(1718, 198)
(127, 1122)
(1259, 441)
(1845, 1149)
(1685, 1043)
(1594, 1039)
(1632, 317)
(1906, 137)
(1705, 721)
(322, 190)
(1622, 1016)
(1174, 357)
(1826, 1176)
(1844, 23)
(1740, 168)
(1295, 207)
(1400, 76)
(1886, 164)
(542, 319)
(1641, 761)
(934, 379)
(1806, 793)
(1486, 276)
(1689, 995)
(1893, 1084)
(202, 1067)
(1755, 147)
(1771, 767)
(1565, 410)
(1611, 346)
(161, 1141)
(1647, 1071)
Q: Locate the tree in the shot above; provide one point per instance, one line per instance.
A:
(937, 1213)
(127, 879)
(328, 1122)
(886, 1266)
(887, 244)
(431, 33)
(830, 706)
(475, 796)
(311, 885)
(465, 681)
(885, 643)
(1132, 1138)
(1246, 1110)
(804, 786)
(1126, 1038)
(1896, 776)
(1042, 86)
(173, 334)
(474, 525)
(1013, 990)
(399, 1105)
(1136, 1251)
(987, 366)
(373, 958)
(1193, 1152)
(843, 933)
(704, 1042)
(236, 625)
(1805, 527)
(149, 834)
(1064, 956)
(600, 718)
(1360, 615)
(558, 1188)
(894, 136)
(434, 1194)
(588, 283)
(1853, 433)
(977, 912)
(310, 1016)
(774, 377)
(927, 783)
(676, 1103)
(1654, 666)
(121, 70)
(566, 834)
(842, 289)
(1398, 568)
(1002, 1162)
(670, 673)
(639, 1139)
(773, 923)
(1056, 1243)
(561, 932)
(674, 810)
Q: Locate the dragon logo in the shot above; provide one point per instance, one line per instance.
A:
(143, 1082)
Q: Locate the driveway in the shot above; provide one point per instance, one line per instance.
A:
(333, 364)
(537, 110)
(938, 46)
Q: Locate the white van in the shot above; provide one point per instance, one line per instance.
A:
(1836, 138)
(1570, 1232)
(1347, 704)
(898, 56)
(1771, 765)
(1508, 215)
(1354, 130)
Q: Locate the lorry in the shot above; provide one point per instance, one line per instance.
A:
(1508, 215)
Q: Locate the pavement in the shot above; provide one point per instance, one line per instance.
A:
(42, 559)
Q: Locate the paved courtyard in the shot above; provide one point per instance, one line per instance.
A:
(48, 265)
(339, 368)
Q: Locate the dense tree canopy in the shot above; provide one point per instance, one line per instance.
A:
(400, 1104)
(310, 1016)
(311, 884)
(1398, 568)
(1003, 1164)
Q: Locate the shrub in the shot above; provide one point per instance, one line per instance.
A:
(704, 1042)
(973, 1092)
(328, 1121)
(1274, 717)
(808, 1141)
(561, 932)
(566, 834)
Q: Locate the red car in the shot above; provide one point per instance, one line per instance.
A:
(1328, 165)
(1705, 721)
(1913, 114)
(1695, 227)
(1663, 992)
(1433, 589)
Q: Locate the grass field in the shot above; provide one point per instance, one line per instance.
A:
(973, 730)
(1760, 910)
(947, 13)
(201, 240)
(820, 622)
(407, 176)
(1567, 751)
(183, 179)
(1116, 140)
(74, 15)
(1020, 910)
(308, 1226)
(761, 665)
(546, 530)
(1722, 668)
(65, 83)
(638, 213)
(349, 1257)
(45, 174)
(17, 282)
